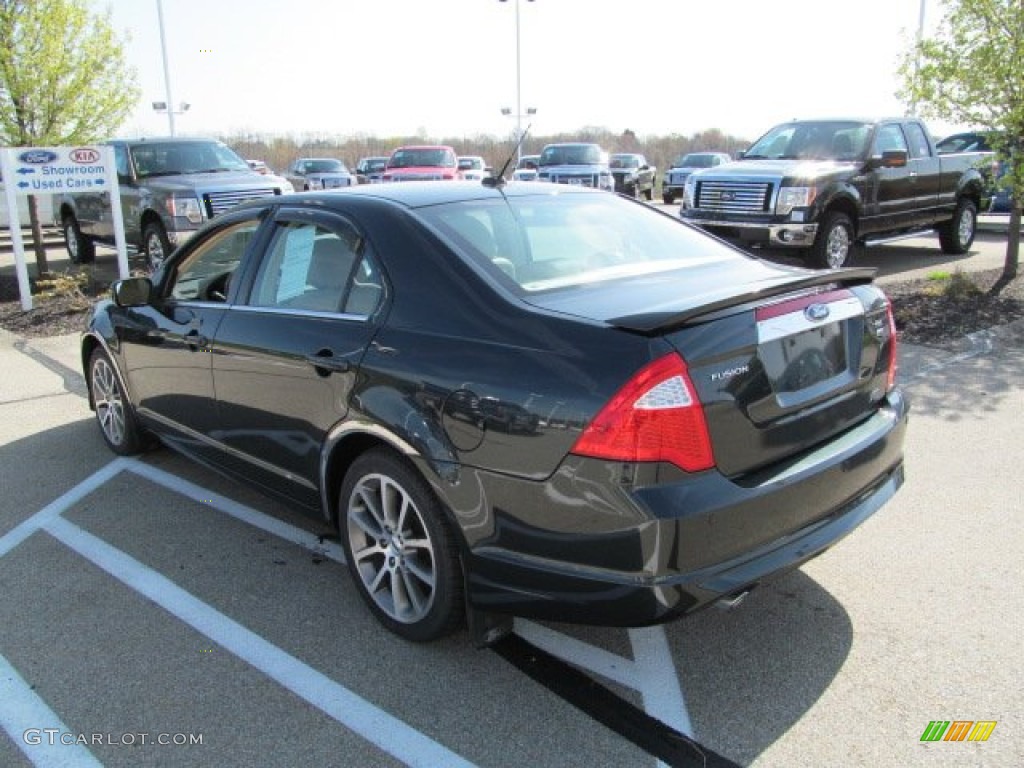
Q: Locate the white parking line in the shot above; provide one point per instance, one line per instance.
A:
(375, 725)
(24, 715)
(651, 673)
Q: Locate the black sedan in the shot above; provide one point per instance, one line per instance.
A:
(531, 400)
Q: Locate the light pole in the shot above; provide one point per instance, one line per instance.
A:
(167, 71)
(530, 112)
(519, 79)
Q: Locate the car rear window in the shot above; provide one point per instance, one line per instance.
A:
(557, 241)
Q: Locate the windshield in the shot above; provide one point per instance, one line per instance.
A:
(471, 164)
(422, 156)
(571, 154)
(832, 140)
(695, 160)
(172, 158)
(528, 161)
(323, 165)
(554, 241)
(625, 161)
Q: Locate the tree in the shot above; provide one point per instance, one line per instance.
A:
(971, 72)
(63, 81)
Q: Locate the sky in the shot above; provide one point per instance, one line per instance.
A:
(447, 68)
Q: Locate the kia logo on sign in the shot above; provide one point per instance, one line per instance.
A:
(84, 155)
(37, 156)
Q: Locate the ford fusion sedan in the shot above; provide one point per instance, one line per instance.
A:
(525, 400)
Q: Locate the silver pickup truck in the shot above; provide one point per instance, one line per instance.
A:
(169, 187)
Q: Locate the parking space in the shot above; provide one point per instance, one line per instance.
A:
(163, 615)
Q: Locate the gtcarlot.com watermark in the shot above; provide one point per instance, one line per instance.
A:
(53, 736)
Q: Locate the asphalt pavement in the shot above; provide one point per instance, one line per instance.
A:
(148, 600)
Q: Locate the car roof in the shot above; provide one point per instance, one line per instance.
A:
(417, 194)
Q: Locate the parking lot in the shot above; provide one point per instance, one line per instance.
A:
(153, 613)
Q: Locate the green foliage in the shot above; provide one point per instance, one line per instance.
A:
(63, 77)
(956, 286)
(971, 73)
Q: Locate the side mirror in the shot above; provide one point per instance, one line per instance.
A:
(132, 291)
(891, 158)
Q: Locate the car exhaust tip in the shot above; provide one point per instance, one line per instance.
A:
(729, 602)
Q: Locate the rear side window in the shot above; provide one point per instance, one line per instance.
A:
(310, 267)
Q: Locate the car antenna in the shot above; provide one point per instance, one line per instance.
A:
(499, 179)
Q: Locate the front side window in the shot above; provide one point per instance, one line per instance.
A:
(205, 273)
(890, 138)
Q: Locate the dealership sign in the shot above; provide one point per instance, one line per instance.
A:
(54, 170)
(59, 171)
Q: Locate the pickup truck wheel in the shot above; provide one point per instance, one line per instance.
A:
(957, 235)
(649, 193)
(155, 245)
(668, 199)
(833, 247)
(81, 250)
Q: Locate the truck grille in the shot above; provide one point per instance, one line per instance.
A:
(734, 196)
(217, 203)
(583, 180)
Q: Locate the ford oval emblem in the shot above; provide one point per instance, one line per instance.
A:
(816, 312)
(37, 156)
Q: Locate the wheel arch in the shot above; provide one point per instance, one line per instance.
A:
(92, 341)
(348, 442)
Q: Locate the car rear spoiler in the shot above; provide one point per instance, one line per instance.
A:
(705, 308)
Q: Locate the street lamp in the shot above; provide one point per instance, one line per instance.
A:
(161, 106)
(530, 112)
(519, 77)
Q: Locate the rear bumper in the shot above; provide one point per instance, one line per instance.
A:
(694, 539)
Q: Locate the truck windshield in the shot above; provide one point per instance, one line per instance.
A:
(825, 140)
(173, 158)
(571, 154)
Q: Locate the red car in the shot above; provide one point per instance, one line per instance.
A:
(422, 163)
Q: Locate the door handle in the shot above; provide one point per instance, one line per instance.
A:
(325, 362)
(195, 340)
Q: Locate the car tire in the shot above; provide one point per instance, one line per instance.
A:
(155, 245)
(668, 199)
(81, 250)
(649, 193)
(114, 413)
(834, 246)
(957, 235)
(399, 548)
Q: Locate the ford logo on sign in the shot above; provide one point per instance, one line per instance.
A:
(816, 312)
(37, 156)
(84, 155)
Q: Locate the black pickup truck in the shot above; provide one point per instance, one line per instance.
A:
(826, 186)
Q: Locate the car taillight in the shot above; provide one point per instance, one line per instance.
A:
(654, 417)
(890, 379)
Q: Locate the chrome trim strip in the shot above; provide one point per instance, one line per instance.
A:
(795, 322)
(297, 312)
